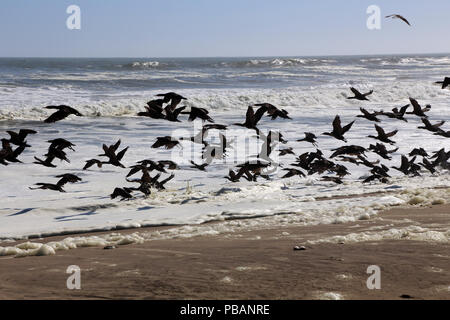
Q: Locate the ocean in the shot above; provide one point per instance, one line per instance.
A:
(110, 92)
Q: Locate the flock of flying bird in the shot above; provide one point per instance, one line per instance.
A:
(308, 163)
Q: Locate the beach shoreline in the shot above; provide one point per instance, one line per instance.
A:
(254, 264)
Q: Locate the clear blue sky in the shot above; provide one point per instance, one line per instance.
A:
(186, 28)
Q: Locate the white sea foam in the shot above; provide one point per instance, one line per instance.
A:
(144, 65)
(87, 207)
(27, 103)
(289, 214)
(415, 233)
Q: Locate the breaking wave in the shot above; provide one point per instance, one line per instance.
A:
(32, 101)
(144, 65)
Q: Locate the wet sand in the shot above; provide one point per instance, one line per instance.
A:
(259, 264)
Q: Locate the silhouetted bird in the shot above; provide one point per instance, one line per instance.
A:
(405, 166)
(442, 133)
(201, 167)
(124, 193)
(286, 151)
(339, 170)
(61, 144)
(252, 118)
(397, 16)
(396, 113)
(273, 111)
(63, 112)
(350, 150)
(440, 157)
(359, 95)
(381, 150)
(160, 184)
(91, 162)
(152, 113)
(349, 159)
(431, 127)
(378, 177)
(7, 154)
(67, 178)
(383, 136)
(418, 111)
(419, 152)
(232, 176)
(173, 97)
(48, 186)
(309, 137)
(64, 179)
(253, 166)
(339, 131)
(110, 153)
(47, 162)
(320, 166)
(166, 142)
(200, 113)
(293, 172)
(381, 170)
(149, 165)
(19, 138)
(444, 83)
(367, 115)
(428, 165)
(214, 126)
(172, 115)
(368, 163)
(156, 104)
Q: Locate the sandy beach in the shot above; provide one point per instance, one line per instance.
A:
(258, 264)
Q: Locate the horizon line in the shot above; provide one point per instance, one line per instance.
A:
(212, 57)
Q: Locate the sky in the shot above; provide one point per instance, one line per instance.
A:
(212, 28)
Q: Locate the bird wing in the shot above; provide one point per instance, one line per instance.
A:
(115, 146)
(347, 127)
(12, 134)
(71, 110)
(405, 162)
(364, 112)
(439, 124)
(259, 113)
(403, 109)
(426, 122)
(24, 132)
(356, 92)
(397, 16)
(391, 134)
(380, 131)
(337, 124)
(18, 150)
(177, 111)
(60, 107)
(250, 115)
(415, 104)
(404, 19)
(121, 154)
(167, 179)
(58, 115)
